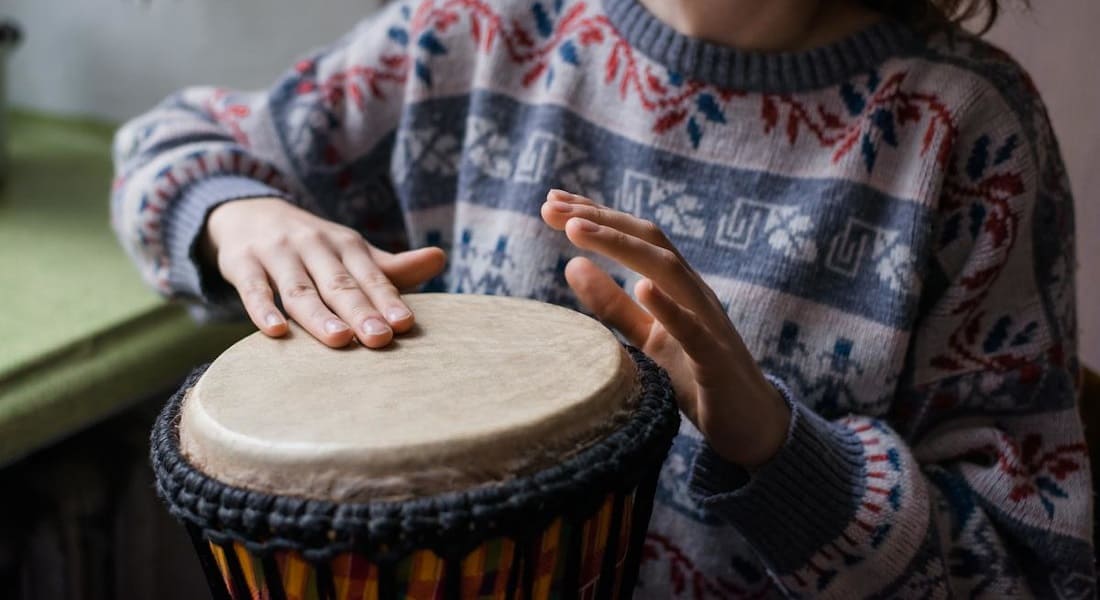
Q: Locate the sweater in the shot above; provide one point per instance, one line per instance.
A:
(886, 219)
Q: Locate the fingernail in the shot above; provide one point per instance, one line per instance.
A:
(587, 225)
(559, 206)
(396, 314)
(335, 326)
(375, 327)
(273, 320)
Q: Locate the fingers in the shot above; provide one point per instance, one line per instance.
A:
(664, 266)
(409, 269)
(561, 206)
(251, 282)
(680, 323)
(301, 299)
(596, 290)
(357, 292)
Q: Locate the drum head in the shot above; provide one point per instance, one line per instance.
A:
(482, 390)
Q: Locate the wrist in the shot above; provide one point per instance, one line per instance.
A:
(761, 440)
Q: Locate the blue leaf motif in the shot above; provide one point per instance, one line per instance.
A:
(997, 335)
(398, 35)
(557, 5)
(872, 81)
(867, 147)
(694, 132)
(549, 77)
(1048, 486)
(1048, 505)
(979, 158)
(853, 100)
(977, 216)
(423, 73)
(1005, 151)
(429, 42)
(406, 12)
(709, 107)
(542, 20)
(675, 79)
(568, 52)
(884, 120)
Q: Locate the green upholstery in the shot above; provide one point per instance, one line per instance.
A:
(82, 336)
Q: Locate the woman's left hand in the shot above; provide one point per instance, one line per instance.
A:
(718, 385)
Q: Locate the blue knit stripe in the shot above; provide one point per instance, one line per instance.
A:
(835, 267)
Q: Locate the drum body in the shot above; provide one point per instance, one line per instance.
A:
(570, 529)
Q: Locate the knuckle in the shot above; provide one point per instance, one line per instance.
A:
(231, 259)
(341, 282)
(346, 238)
(310, 236)
(255, 291)
(280, 241)
(297, 290)
(653, 231)
(320, 314)
(361, 311)
(378, 281)
(668, 259)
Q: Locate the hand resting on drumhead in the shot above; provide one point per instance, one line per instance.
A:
(682, 327)
(330, 280)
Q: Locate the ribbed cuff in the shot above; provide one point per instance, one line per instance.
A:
(796, 503)
(183, 222)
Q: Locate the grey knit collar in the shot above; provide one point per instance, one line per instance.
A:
(754, 71)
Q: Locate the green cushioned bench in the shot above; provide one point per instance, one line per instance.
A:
(82, 337)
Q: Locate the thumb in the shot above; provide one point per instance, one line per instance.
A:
(411, 268)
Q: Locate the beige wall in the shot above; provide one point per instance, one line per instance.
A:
(1059, 44)
(117, 58)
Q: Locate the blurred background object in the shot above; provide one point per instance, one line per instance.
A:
(9, 38)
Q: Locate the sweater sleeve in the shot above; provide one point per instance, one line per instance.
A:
(306, 139)
(977, 483)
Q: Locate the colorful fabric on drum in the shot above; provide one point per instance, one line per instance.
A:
(485, 571)
(886, 218)
(594, 544)
(356, 578)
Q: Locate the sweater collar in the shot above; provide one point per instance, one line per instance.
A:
(756, 71)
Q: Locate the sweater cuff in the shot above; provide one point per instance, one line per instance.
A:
(796, 503)
(183, 223)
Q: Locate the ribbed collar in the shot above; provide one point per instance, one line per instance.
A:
(755, 71)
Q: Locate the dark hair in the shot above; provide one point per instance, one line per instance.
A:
(931, 14)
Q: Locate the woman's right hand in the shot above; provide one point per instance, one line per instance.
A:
(330, 280)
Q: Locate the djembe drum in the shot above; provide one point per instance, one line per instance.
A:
(505, 448)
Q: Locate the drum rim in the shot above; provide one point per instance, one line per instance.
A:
(449, 523)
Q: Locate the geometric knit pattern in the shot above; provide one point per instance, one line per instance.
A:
(886, 219)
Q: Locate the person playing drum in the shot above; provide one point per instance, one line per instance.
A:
(842, 227)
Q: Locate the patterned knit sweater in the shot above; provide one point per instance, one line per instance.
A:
(886, 218)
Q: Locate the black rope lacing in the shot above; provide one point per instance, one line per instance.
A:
(450, 524)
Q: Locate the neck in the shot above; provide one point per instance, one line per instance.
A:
(764, 25)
